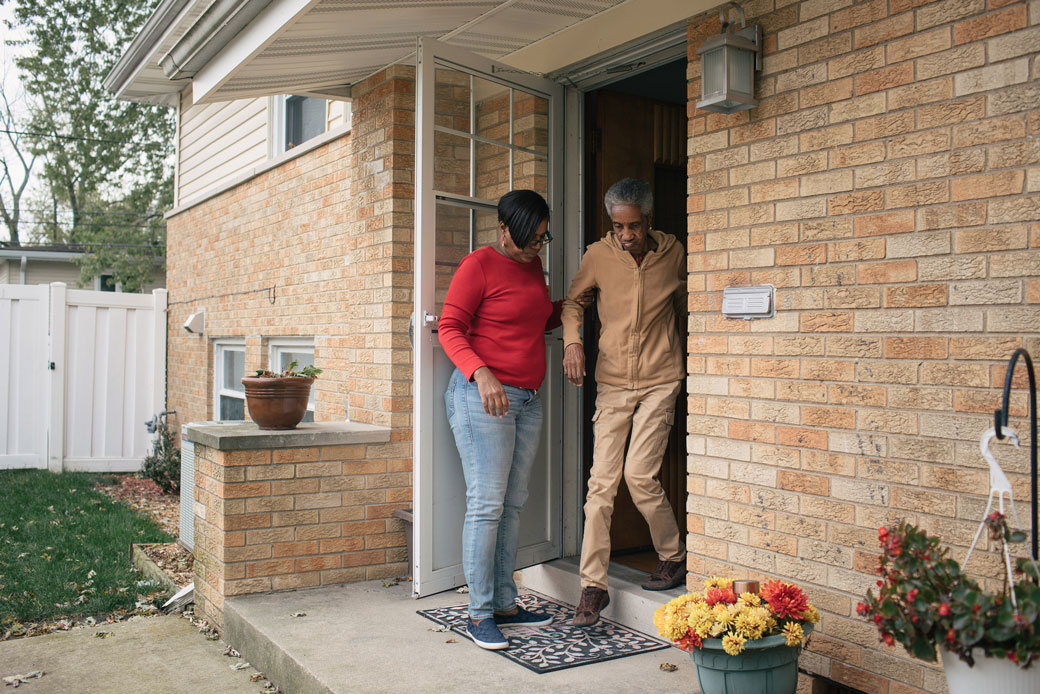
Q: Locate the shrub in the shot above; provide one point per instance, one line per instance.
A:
(163, 466)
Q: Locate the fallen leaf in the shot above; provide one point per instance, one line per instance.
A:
(103, 634)
(298, 614)
(256, 677)
(16, 680)
(463, 589)
(452, 641)
(240, 666)
(668, 667)
(232, 653)
(440, 628)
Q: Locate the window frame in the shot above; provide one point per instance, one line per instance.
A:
(277, 345)
(219, 347)
(278, 122)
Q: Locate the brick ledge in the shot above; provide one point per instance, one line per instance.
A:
(238, 436)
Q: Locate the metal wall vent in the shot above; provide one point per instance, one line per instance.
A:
(187, 493)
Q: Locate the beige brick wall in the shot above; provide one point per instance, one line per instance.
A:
(331, 232)
(888, 185)
(296, 518)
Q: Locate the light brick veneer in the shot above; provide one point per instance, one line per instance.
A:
(295, 509)
(888, 186)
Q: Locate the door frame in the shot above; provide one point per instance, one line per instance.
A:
(600, 71)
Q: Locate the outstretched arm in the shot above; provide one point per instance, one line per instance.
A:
(573, 312)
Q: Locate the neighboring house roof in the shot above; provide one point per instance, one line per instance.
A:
(232, 49)
(50, 252)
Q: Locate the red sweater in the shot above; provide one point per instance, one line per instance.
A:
(496, 314)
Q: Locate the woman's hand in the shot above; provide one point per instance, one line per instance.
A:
(574, 363)
(586, 297)
(492, 394)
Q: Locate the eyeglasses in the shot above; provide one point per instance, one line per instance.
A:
(540, 240)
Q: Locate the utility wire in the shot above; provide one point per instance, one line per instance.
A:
(65, 137)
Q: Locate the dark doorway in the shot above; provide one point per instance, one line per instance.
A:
(638, 128)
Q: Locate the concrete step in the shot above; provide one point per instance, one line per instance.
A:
(367, 638)
(630, 605)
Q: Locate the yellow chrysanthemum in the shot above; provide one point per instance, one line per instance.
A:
(811, 615)
(794, 634)
(750, 624)
(717, 582)
(752, 599)
(718, 629)
(732, 644)
(721, 613)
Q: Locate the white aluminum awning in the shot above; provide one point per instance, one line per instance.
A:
(232, 49)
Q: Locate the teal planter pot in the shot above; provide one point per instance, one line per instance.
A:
(767, 666)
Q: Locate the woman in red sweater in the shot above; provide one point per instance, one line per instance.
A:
(493, 328)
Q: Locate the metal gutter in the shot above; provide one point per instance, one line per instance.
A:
(20, 254)
(217, 25)
(143, 44)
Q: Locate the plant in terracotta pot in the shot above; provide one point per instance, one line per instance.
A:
(279, 400)
(925, 601)
(742, 639)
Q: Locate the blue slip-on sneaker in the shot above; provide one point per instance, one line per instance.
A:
(523, 618)
(486, 634)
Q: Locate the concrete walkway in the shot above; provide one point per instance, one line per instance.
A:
(146, 655)
(364, 637)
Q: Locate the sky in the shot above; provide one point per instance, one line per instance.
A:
(11, 87)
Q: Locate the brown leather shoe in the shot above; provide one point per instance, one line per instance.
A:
(668, 574)
(593, 600)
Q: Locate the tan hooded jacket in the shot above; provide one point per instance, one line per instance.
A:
(638, 344)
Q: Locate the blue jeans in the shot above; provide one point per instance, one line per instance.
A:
(497, 456)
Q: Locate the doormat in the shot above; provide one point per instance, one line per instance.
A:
(559, 645)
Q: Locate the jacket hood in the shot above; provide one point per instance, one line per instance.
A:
(664, 241)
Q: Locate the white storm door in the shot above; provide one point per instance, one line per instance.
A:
(482, 129)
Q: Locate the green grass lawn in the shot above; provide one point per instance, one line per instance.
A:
(65, 547)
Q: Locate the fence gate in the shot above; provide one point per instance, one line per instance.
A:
(23, 375)
(83, 371)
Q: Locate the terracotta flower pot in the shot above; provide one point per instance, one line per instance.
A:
(277, 403)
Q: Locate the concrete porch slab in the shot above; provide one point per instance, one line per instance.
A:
(364, 637)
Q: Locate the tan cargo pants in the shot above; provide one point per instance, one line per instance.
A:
(649, 413)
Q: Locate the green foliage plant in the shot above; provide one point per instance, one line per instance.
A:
(163, 465)
(925, 600)
(309, 371)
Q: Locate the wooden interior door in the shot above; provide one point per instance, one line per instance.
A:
(637, 137)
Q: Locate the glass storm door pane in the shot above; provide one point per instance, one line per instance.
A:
(482, 130)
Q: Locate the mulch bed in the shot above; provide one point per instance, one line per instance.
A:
(144, 495)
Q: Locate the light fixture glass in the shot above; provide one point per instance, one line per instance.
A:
(728, 64)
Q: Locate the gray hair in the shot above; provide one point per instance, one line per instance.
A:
(630, 191)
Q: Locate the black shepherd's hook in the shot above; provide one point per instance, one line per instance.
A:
(1000, 419)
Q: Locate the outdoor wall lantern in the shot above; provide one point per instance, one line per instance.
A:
(728, 64)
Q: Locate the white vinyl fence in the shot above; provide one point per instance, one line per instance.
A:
(80, 373)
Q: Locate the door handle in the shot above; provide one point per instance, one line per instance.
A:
(429, 318)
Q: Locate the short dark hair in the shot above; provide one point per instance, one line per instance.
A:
(522, 211)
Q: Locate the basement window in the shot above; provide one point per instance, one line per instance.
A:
(284, 351)
(229, 366)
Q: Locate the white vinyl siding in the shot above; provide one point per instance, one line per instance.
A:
(219, 142)
(4, 273)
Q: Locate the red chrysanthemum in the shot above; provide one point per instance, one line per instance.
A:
(688, 642)
(785, 600)
(717, 595)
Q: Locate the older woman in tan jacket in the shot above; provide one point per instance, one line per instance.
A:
(640, 276)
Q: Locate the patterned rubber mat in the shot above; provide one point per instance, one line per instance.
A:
(559, 645)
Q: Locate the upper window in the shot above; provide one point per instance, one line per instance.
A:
(229, 397)
(285, 351)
